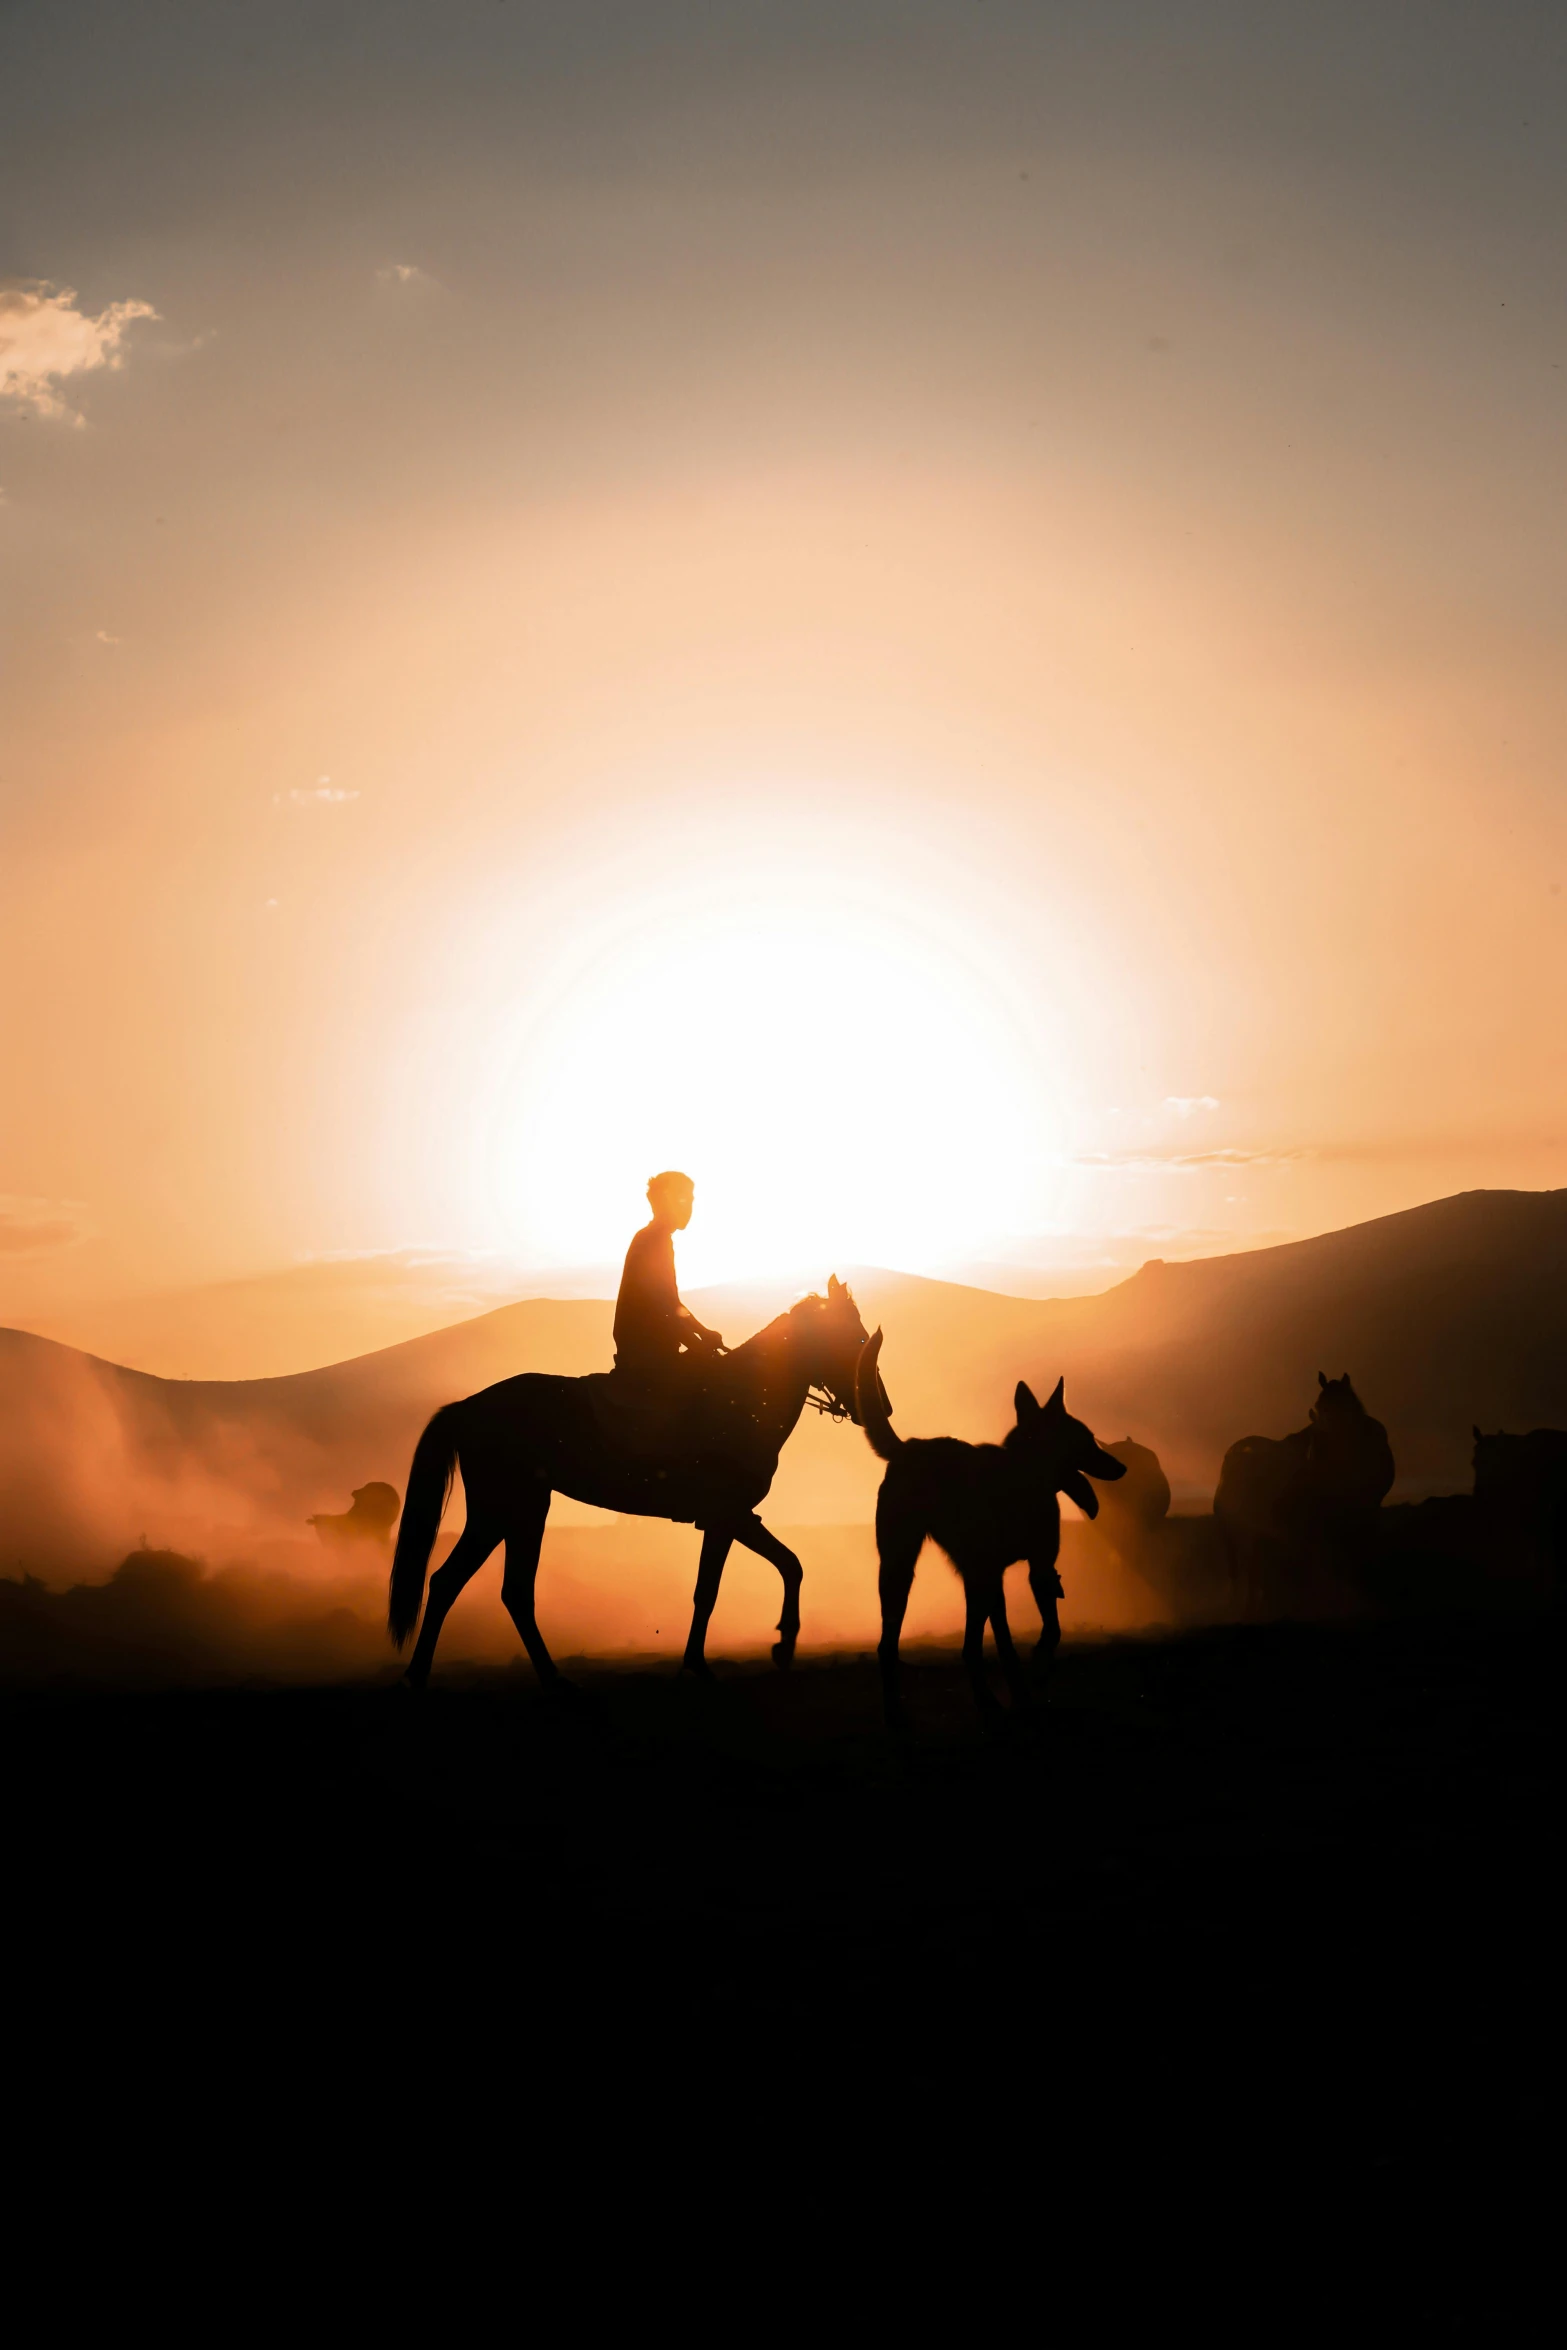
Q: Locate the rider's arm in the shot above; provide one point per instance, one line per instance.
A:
(691, 1328)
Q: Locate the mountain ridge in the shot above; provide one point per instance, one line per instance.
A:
(1445, 1314)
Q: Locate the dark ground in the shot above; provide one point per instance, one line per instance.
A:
(1260, 1913)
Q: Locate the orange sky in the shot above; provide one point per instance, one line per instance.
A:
(950, 616)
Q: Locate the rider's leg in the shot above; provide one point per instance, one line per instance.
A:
(899, 1540)
(767, 1546)
(709, 1574)
(469, 1552)
(524, 1535)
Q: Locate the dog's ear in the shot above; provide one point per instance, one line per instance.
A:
(1024, 1401)
(1057, 1404)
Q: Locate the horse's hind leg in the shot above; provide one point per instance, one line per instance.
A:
(524, 1536)
(716, 1542)
(755, 1537)
(469, 1552)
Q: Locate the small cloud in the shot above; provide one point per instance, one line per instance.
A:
(322, 790)
(1186, 1105)
(104, 638)
(45, 338)
(403, 273)
(35, 1227)
(1163, 1162)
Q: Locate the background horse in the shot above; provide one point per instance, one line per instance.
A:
(1290, 1498)
(521, 1441)
(1520, 1499)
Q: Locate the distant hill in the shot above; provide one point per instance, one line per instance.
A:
(1446, 1314)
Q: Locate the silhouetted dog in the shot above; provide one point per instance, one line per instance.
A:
(370, 1520)
(988, 1505)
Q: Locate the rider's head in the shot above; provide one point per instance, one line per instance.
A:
(670, 1197)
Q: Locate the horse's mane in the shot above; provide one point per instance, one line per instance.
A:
(780, 1323)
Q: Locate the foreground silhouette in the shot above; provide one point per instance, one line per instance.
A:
(521, 1441)
(988, 1505)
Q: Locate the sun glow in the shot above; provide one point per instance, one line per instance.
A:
(843, 1084)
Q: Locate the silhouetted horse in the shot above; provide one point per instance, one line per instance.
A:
(1520, 1498)
(526, 1438)
(1289, 1498)
(371, 1519)
(988, 1505)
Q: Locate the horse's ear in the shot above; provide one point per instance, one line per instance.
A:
(1057, 1401)
(1322, 1378)
(1474, 1432)
(1024, 1401)
(834, 1286)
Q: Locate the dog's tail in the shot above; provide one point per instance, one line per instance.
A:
(871, 1402)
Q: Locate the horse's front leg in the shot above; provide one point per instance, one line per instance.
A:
(716, 1543)
(767, 1546)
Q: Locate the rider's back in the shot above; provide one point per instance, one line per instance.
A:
(647, 1333)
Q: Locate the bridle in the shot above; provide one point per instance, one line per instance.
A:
(823, 1400)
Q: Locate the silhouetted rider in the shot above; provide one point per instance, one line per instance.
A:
(651, 1324)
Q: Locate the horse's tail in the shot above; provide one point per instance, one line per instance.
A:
(870, 1399)
(429, 1483)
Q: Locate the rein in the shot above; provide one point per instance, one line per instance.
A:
(822, 1399)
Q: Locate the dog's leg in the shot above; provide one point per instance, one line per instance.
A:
(899, 1540)
(980, 1601)
(1045, 1584)
(1010, 1665)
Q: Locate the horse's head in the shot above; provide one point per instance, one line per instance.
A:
(833, 1336)
(1336, 1400)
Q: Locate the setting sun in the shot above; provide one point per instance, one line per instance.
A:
(842, 1082)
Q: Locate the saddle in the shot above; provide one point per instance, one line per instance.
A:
(667, 1438)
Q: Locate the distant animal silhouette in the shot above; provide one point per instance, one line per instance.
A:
(1142, 1500)
(1520, 1496)
(371, 1519)
(526, 1438)
(1132, 1514)
(987, 1505)
(1285, 1500)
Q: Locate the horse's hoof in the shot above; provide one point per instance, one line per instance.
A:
(696, 1668)
(783, 1654)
